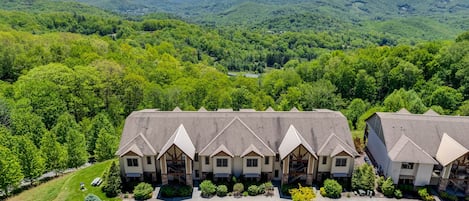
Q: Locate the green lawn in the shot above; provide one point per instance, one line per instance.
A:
(68, 187)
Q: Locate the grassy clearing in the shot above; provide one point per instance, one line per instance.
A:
(67, 187)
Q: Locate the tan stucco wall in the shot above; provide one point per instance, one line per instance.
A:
(149, 167)
(343, 169)
(324, 167)
(132, 169)
(267, 167)
(256, 170)
(222, 169)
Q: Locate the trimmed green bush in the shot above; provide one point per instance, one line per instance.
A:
(169, 191)
(207, 188)
(261, 189)
(143, 191)
(398, 194)
(423, 193)
(92, 197)
(380, 182)
(238, 187)
(286, 188)
(447, 196)
(388, 187)
(245, 193)
(222, 190)
(363, 178)
(322, 190)
(332, 188)
(253, 190)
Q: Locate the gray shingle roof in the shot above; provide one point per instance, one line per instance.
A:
(426, 131)
(269, 127)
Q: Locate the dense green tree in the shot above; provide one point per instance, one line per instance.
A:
(24, 122)
(404, 99)
(106, 145)
(76, 148)
(277, 82)
(404, 75)
(65, 123)
(354, 110)
(365, 86)
(320, 94)
(388, 187)
(31, 161)
(5, 112)
(446, 97)
(54, 154)
(10, 170)
(99, 122)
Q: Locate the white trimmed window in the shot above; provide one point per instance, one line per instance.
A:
(251, 162)
(408, 166)
(222, 162)
(132, 162)
(340, 162)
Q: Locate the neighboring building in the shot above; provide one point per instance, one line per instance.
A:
(182, 146)
(428, 149)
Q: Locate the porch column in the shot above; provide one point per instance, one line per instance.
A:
(188, 171)
(286, 170)
(164, 170)
(309, 170)
(443, 184)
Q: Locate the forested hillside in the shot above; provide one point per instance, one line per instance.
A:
(68, 78)
(401, 19)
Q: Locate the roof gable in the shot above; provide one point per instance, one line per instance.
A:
(253, 149)
(291, 141)
(334, 145)
(449, 150)
(223, 149)
(181, 139)
(405, 150)
(134, 149)
(237, 136)
(139, 142)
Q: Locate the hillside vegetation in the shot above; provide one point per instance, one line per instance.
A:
(69, 78)
(357, 15)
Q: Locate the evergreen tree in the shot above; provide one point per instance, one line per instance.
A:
(32, 163)
(54, 154)
(92, 197)
(106, 145)
(112, 181)
(10, 170)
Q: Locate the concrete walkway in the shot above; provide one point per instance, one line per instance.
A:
(276, 197)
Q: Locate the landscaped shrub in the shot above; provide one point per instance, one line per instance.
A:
(261, 189)
(380, 182)
(332, 188)
(143, 191)
(363, 178)
(302, 193)
(398, 194)
(222, 190)
(286, 188)
(245, 193)
(423, 193)
(253, 190)
(447, 196)
(388, 187)
(207, 188)
(238, 188)
(322, 190)
(168, 191)
(406, 188)
(183, 191)
(92, 197)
